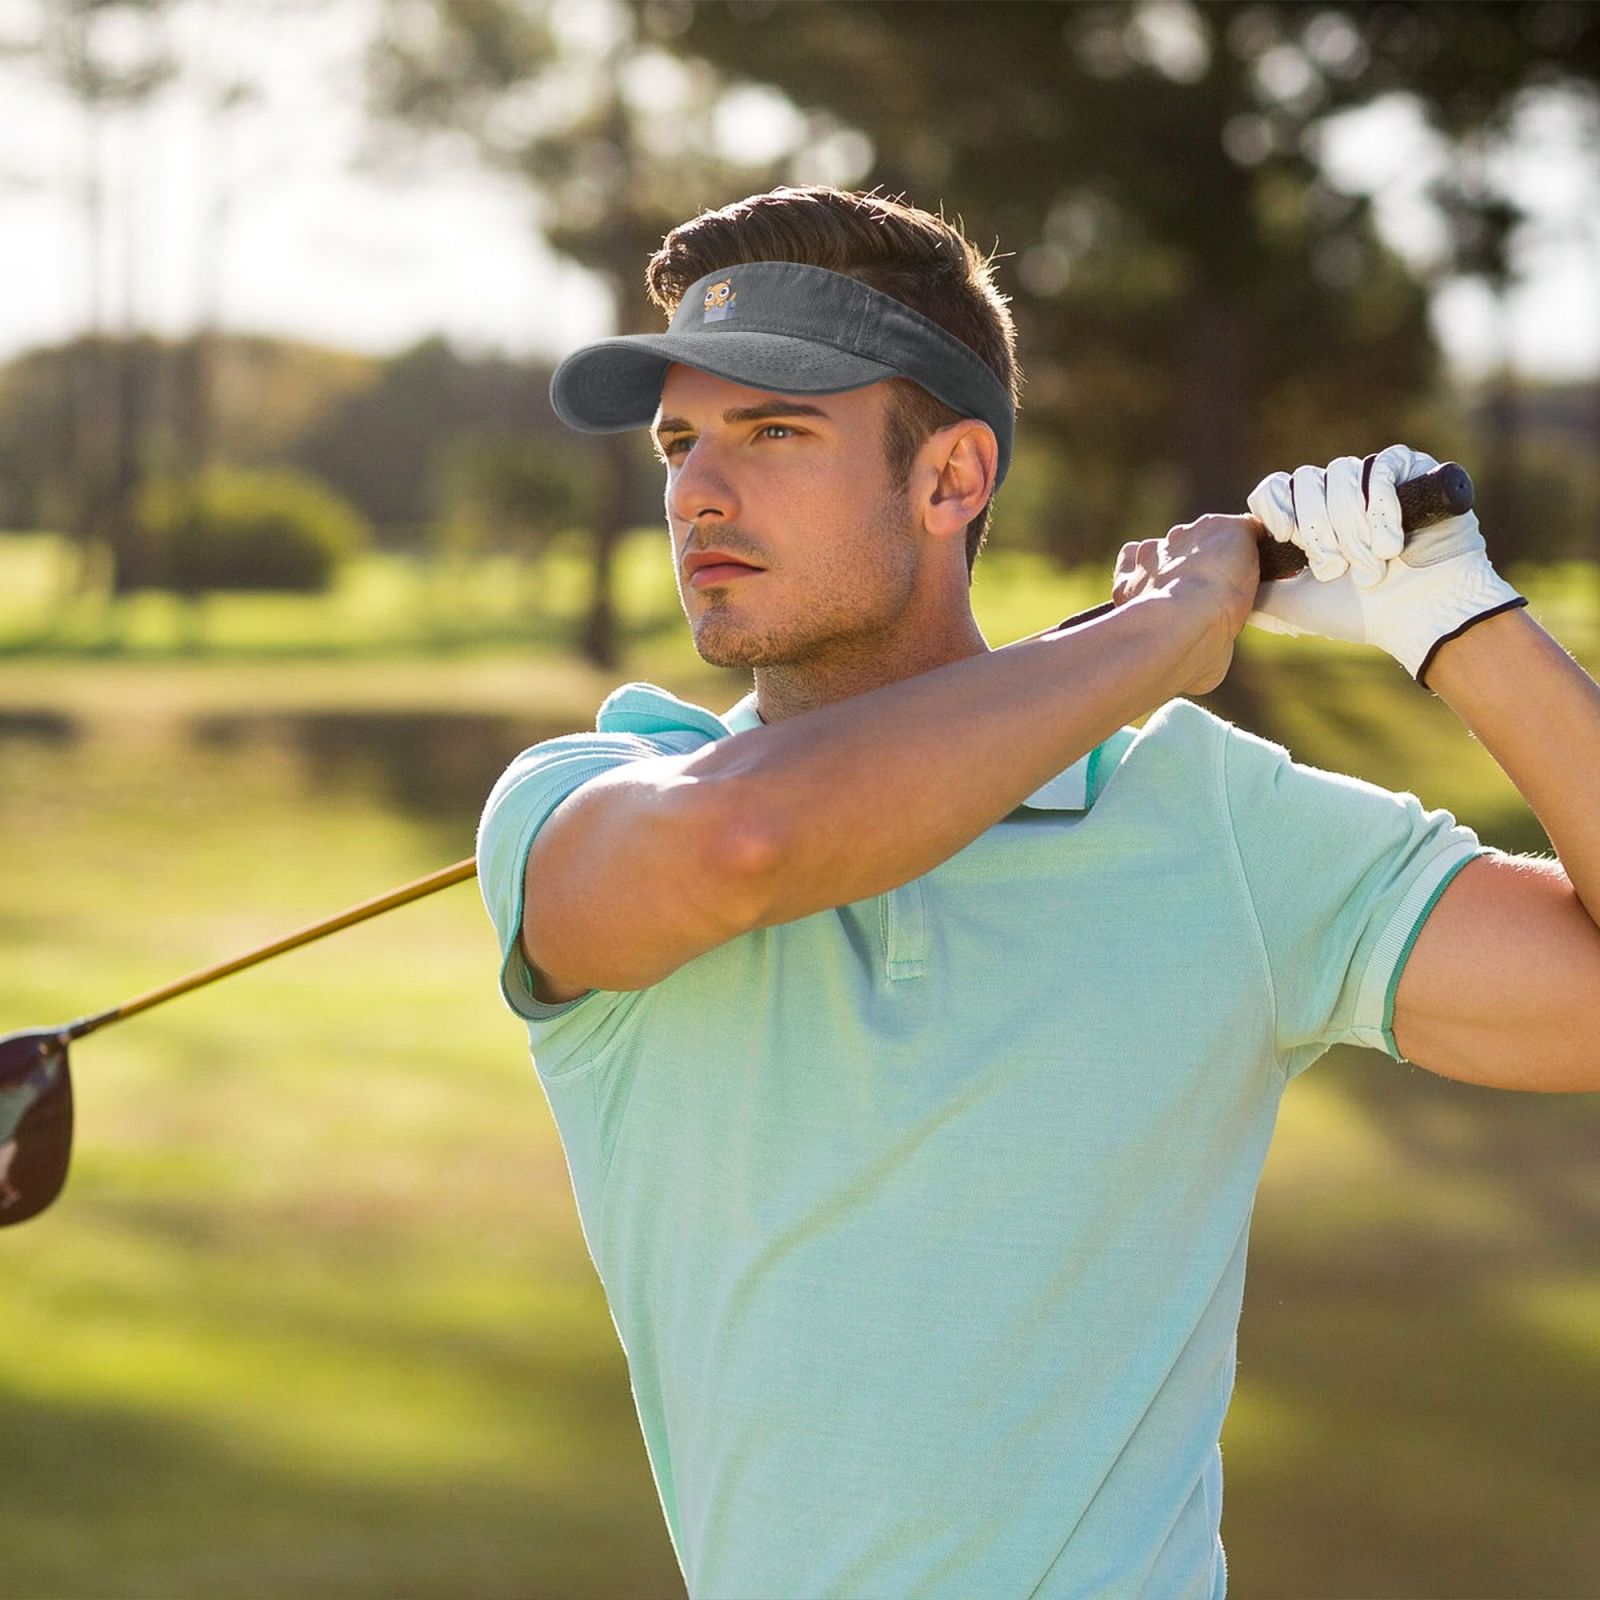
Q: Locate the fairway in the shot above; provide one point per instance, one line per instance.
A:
(314, 1316)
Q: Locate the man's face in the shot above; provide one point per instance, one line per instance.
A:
(804, 497)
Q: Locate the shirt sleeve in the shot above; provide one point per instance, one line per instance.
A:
(1342, 874)
(520, 803)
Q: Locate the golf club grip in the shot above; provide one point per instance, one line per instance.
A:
(1445, 492)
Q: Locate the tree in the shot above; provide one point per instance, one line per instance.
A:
(112, 58)
(1473, 70)
(1184, 277)
(1194, 295)
(614, 140)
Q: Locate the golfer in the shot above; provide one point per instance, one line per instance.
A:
(916, 1027)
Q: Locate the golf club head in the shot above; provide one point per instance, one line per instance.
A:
(35, 1122)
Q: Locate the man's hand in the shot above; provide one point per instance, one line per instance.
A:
(1364, 584)
(1212, 563)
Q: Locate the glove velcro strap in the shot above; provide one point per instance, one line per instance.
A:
(1455, 633)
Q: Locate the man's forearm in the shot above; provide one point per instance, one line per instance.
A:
(1537, 712)
(861, 796)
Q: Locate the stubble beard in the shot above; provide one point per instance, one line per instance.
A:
(857, 593)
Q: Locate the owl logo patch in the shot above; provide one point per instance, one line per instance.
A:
(720, 298)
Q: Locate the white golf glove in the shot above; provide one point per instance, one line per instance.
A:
(1364, 584)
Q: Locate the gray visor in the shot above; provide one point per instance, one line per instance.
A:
(788, 328)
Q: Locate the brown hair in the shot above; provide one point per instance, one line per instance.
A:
(920, 259)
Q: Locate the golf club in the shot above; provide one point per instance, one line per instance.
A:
(1447, 491)
(36, 1086)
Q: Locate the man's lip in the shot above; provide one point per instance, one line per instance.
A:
(696, 561)
(712, 572)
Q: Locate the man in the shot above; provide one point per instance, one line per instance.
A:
(916, 1028)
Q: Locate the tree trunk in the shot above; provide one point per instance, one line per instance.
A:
(600, 627)
(130, 557)
(1214, 371)
(1500, 493)
(1593, 541)
(93, 385)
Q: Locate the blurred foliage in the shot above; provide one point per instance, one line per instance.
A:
(1189, 285)
(389, 434)
(1197, 302)
(267, 394)
(500, 492)
(1468, 62)
(1179, 260)
(394, 446)
(274, 1302)
(229, 528)
(608, 169)
(1558, 498)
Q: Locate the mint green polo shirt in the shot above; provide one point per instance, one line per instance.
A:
(923, 1220)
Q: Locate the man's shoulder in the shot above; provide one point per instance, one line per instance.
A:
(1178, 731)
(650, 711)
(634, 721)
(1181, 718)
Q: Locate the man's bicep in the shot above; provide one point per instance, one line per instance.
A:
(545, 988)
(635, 873)
(1502, 988)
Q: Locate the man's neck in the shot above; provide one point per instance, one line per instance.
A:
(788, 691)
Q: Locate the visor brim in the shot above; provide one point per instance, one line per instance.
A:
(616, 384)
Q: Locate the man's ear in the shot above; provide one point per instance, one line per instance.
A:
(966, 459)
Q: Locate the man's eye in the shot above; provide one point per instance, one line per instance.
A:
(687, 439)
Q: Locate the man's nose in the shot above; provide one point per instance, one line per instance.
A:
(700, 486)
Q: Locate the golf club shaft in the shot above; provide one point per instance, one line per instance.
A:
(441, 879)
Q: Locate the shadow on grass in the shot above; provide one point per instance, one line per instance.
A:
(224, 1484)
(1539, 1149)
(573, 1386)
(1433, 1450)
(1428, 1437)
(435, 766)
(39, 726)
(167, 1509)
(440, 637)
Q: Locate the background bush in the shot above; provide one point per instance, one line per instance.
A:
(227, 528)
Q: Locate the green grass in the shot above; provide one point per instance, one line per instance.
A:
(1419, 1384)
(381, 604)
(314, 1316)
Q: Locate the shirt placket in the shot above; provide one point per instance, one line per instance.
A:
(903, 919)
